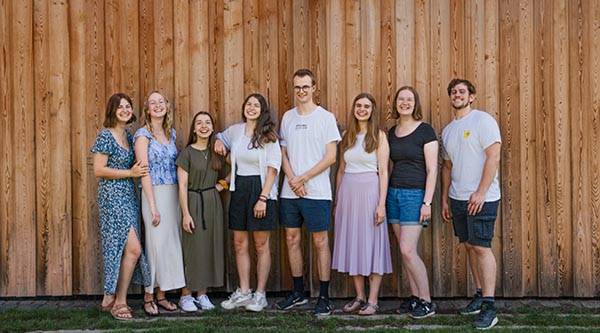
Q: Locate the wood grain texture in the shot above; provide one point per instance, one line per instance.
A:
(535, 65)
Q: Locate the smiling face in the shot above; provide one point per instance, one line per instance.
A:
(460, 97)
(405, 102)
(303, 89)
(124, 111)
(252, 109)
(363, 109)
(203, 126)
(157, 105)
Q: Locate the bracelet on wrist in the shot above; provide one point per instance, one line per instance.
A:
(262, 198)
(223, 183)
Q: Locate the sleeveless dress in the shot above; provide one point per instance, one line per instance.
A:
(360, 247)
(163, 242)
(119, 211)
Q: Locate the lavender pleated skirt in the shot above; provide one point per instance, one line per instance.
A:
(360, 247)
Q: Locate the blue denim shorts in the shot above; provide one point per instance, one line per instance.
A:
(474, 229)
(403, 206)
(315, 213)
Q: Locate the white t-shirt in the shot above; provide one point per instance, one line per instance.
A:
(306, 138)
(247, 159)
(358, 160)
(463, 143)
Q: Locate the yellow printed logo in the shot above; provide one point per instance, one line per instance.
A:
(466, 134)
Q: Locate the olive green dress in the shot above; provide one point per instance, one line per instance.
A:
(203, 249)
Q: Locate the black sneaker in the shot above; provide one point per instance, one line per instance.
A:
(423, 309)
(293, 299)
(474, 307)
(323, 307)
(408, 306)
(486, 318)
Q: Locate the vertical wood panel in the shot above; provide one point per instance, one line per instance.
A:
(353, 51)
(593, 41)
(53, 149)
(181, 64)
(580, 148)
(547, 248)
(87, 252)
(252, 46)
(199, 86)
(562, 144)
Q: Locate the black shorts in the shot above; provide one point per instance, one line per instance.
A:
(241, 206)
(474, 229)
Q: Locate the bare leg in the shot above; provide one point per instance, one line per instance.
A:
(486, 261)
(242, 258)
(292, 239)
(359, 285)
(412, 262)
(474, 263)
(321, 241)
(263, 262)
(411, 281)
(131, 254)
(374, 284)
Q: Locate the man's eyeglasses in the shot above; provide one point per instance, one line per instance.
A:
(303, 88)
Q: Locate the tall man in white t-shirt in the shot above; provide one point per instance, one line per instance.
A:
(309, 137)
(471, 192)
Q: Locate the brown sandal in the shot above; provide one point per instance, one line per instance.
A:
(174, 307)
(154, 307)
(369, 309)
(121, 312)
(108, 307)
(354, 305)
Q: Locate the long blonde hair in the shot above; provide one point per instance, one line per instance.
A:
(372, 136)
(167, 122)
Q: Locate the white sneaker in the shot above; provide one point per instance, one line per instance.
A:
(259, 302)
(204, 303)
(186, 304)
(237, 299)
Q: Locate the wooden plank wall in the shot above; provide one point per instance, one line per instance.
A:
(535, 64)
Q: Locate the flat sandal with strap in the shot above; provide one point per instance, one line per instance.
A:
(353, 305)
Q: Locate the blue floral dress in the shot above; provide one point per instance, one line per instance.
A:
(119, 210)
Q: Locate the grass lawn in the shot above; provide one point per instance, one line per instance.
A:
(521, 319)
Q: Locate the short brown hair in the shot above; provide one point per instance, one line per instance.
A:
(457, 81)
(305, 72)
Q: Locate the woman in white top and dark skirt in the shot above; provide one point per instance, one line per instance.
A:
(361, 246)
(255, 163)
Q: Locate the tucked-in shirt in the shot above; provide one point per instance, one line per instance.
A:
(247, 161)
(408, 155)
(358, 160)
(161, 158)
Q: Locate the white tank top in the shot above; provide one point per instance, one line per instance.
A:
(357, 160)
(247, 159)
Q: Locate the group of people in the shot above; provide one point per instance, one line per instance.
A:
(183, 215)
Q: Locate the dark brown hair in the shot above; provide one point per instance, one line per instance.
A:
(305, 72)
(372, 135)
(215, 160)
(110, 117)
(264, 132)
(458, 81)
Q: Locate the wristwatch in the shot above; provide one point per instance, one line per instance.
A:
(428, 204)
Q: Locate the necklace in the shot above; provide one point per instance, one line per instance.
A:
(121, 139)
(205, 155)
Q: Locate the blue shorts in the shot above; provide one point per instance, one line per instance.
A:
(403, 206)
(474, 229)
(315, 213)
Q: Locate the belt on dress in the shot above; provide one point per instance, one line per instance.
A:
(200, 191)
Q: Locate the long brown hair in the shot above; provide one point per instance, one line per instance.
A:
(110, 117)
(264, 132)
(372, 135)
(215, 160)
(167, 122)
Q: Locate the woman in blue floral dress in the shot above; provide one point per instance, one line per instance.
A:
(114, 164)
(155, 147)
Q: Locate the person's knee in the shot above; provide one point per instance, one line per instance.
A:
(261, 245)
(292, 239)
(240, 245)
(407, 251)
(133, 252)
(321, 241)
